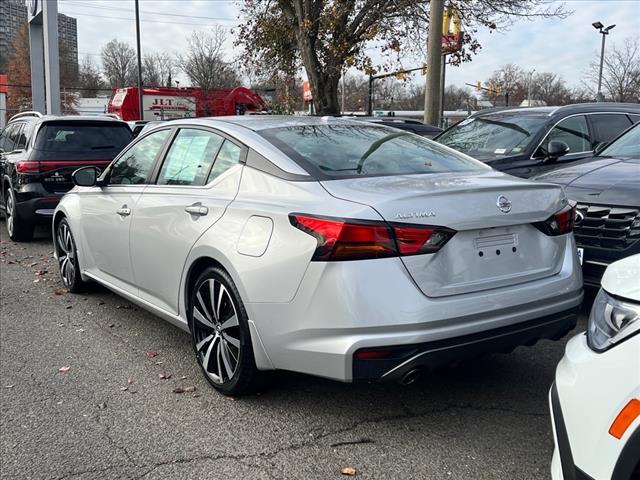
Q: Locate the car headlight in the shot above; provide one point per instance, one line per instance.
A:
(611, 321)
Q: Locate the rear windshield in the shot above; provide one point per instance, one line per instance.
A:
(83, 140)
(341, 151)
(493, 136)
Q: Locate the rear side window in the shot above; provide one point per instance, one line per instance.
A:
(10, 137)
(190, 157)
(76, 139)
(230, 155)
(574, 132)
(342, 151)
(609, 126)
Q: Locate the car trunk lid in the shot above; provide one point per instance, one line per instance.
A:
(491, 249)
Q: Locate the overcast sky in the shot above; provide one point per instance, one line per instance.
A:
(563, 46)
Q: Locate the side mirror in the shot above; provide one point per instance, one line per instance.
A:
(85, 176)
(599, 147)
(556, 149)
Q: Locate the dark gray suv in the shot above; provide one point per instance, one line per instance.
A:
(39, 153)
(531, 140)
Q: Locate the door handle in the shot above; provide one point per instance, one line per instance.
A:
(197, 209)
(124, 211)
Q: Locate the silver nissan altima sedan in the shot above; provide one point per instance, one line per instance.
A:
(332, 247)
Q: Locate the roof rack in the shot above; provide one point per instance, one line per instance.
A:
(26, 114)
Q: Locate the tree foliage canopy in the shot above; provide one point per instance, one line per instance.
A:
(326, 36)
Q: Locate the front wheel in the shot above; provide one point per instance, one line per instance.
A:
(68, 258)
(19, 229)
(220, 334)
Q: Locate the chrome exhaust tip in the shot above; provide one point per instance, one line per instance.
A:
(410, 377)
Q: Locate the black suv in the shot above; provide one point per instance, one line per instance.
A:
(39, 153)
(531, 140)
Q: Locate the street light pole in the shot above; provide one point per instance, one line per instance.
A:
(529, 87)
(139, 61)
(604, 31)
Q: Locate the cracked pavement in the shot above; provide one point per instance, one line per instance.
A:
(112, 416)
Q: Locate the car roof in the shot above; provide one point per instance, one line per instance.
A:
(263, 122)
(565, 110)
(66, 118)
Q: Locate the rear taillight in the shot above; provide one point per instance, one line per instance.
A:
(28, 167)
(559, 223)
(340, 239)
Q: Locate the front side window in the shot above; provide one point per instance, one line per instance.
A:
(190, 157)
(133, 167)
(347, 150)
(574, 132)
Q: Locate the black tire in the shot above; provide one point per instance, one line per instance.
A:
(228, 344)
(67, 254)
(19, 229)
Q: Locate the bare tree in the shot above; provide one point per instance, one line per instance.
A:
(89, 78)
(509, 79)
(119, 64)
(550, 88)
(204, 62)
(158, 69)
(621, 72)
(456, 98)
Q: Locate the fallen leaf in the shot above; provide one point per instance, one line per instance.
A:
(9, 386)
(33, 264)
(183, 377)
(350, 471)
(124, 389)
(68, 307)
(158, 363)
(152, 354)
(190, 389)
(195, 395)
(59, 292)
(111, 325)
(123, 307)
(64, 369)
(178, 390)
(102, 406)
(130, 381)
(80, 330)
(41, 272)
(36, 280)
(164, 376)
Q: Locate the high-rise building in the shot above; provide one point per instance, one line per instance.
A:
(13, 14)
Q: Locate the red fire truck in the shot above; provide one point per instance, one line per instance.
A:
(165, 103)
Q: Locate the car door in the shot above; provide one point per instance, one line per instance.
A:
(107, 211)
(574, 131)
(199, 177)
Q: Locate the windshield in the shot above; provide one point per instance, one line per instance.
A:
(490, 136)
(80, 140)
(340, 151)
(627, 145)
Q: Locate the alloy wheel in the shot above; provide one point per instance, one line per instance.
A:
(216, 331)
(66, 254)
(9, 213)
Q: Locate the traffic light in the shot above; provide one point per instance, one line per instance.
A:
(400, 75)
(424, 69)
(479, 86)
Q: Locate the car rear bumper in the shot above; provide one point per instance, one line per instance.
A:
(430, 355)
(39, 209)
(343, 307)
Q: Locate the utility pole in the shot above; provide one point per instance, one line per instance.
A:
(434, 63)
(139, 61)
(529, 87)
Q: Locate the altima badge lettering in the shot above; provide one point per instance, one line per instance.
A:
(404, 216)
(504, 204)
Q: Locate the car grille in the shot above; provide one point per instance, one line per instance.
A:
(613, 228)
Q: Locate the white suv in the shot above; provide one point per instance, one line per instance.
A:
(595, 400)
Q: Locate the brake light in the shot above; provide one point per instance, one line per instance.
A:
(27, 167)
(340, 239)
(559, 223)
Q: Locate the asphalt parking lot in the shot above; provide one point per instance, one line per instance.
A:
(114, 413)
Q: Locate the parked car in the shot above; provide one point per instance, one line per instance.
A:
(595, 400)
(531, 140)
(137, 126)
(414, 126)
(327, 246)
(607, 189)
(37, 156)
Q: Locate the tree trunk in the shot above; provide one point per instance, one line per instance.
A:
(325, 94)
